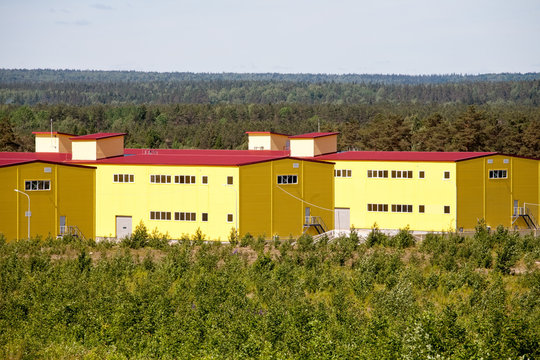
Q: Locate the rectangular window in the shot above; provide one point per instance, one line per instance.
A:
(160, 179)
(342, 173)
(377, 207)
(498, 174)
(402, 174)
(421, 174)
(402, 208)
(447, 209)
(185, 216)
(421, 208)
(123, 178)
(160, 215)
(377, 173)
(287, 179)
(204, 179)
(37, 185)
(204, 216)
(229, 217)
(229, 180)
(447, 174)
(184, 179)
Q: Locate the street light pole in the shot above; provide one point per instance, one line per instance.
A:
(28, 213)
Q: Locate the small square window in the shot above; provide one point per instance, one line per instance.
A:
(204, 216)
(115, 177)
(421, 174)
(447, 209)
(369, 207)
(447, 174)
(204, 179)
(229, 181)
(338, 173)
(421, 208)
(349, 173)
(229, 217)
(193, 179)
(369, 173)
(409, 174)
(131, 178)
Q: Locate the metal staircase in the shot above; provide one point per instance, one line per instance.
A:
(527, 216)
(71, 231)
(316, 222)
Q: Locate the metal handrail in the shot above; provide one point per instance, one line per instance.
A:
(72, 230)
(314, 220)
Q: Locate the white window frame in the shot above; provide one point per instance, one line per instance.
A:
(494, 171)
(153, 178)
(280, 179)
(449, 175)
(203, 177)
(130, 177)
(154, 216)
(34, 185)
(232, 218)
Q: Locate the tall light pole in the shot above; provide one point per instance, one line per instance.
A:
(235, 205)
(28, 214)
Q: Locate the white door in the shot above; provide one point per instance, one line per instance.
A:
(63, 225)
(123, 226)
(342, 218)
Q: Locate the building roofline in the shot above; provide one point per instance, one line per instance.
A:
(96, 136)
(313, 135)
(49, 133)
(25, 162)
(265, 133)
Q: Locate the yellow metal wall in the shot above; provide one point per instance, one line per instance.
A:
(113, 146)
(433, 191)
(480, 197)
(325, 145)
(71, 195)
(84, 150)
(302, 147)
(137, 199)
(270, 209)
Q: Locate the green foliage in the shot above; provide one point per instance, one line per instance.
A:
(338, 298)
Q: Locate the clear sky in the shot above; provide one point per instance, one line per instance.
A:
(285, 36)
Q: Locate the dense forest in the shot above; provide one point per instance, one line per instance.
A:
(32, 87)
(448, 297)
(492, 112)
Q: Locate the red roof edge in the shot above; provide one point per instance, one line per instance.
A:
(24, 162)
(96, 136)
(266, 132)
(313, 135)
(48, 133)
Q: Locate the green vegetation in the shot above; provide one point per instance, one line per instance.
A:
(391, 297)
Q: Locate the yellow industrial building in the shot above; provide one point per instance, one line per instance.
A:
(281, 186)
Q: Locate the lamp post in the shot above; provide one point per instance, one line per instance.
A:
(235, 205)
(28, 214)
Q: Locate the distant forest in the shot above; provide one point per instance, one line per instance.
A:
(490, 112)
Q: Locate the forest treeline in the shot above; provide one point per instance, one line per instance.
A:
(511, 129)
(32, 87)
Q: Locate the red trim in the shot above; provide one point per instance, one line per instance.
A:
(265, 133)
(49, 133)
(96, 136)
(405, 156)
(313, 135)
(25, 162)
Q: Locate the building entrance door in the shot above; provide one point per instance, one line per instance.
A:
(342, 218)
(123, 226)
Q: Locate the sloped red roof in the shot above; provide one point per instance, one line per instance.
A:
(313, 135)
(265, 133)
(96, 136)
(404, 156)
(49, 133)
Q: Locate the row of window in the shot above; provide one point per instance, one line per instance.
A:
(287, 179)
(498, 174)
(342, 173)
(166, 179)
(400, 208)
(400, 174)
(182, 216)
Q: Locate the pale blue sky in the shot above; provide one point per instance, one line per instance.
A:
(287, 36)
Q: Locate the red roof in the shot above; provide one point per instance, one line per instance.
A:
(265, 133)
(404, 156)
(96, 136)
(49, 133)
(18, 158)
(313, 135)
